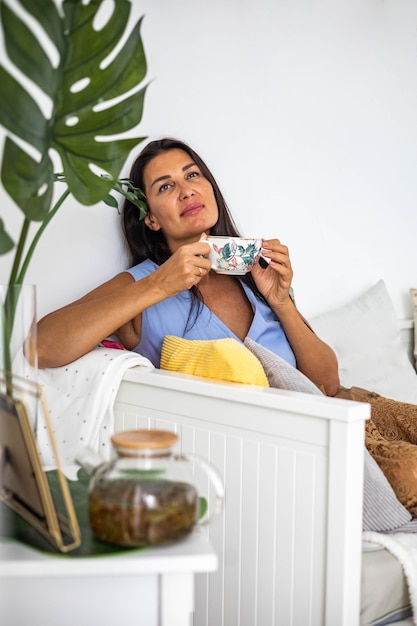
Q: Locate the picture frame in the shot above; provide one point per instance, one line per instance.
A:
(24, 486)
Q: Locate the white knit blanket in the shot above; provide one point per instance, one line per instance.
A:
(404, 547)
(80, 397)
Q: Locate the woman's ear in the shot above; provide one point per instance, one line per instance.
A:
(151, 222)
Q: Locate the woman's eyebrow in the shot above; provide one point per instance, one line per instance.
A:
(158, 180)
(187, 167)
(167, 176)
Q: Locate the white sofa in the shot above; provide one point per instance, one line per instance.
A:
(294, 464)
(289, 542)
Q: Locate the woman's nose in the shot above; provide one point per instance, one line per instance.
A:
(186, 190)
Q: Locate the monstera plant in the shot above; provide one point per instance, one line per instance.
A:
(87, 69)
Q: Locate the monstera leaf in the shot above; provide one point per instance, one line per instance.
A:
(88, 81)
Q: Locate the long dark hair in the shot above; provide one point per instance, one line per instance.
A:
(145, 243)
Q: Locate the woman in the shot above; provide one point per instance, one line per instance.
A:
(171, 288)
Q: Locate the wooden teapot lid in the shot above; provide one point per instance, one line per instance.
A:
(142, 439)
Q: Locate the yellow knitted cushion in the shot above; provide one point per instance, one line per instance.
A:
(223, 359)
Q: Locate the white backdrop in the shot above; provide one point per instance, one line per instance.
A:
(306, 112)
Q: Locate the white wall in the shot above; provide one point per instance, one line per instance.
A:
(306, 111)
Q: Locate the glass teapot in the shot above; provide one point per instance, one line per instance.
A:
(147, 495)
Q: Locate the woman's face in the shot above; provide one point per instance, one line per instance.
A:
(180, 199)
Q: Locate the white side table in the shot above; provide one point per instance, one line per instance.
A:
(152, 587)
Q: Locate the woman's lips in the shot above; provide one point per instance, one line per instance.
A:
(193, 208)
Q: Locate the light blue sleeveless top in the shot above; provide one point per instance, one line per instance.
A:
(172, 317)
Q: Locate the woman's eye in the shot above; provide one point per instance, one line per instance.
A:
(164, 187)
(193, 174)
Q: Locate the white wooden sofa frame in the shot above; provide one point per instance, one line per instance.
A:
(289, 541)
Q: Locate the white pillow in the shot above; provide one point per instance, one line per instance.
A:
(280, 373)
(365, 335)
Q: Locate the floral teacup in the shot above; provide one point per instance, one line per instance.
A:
(233, 255)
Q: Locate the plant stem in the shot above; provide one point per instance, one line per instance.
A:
(7, 357)
(17, 276)
(38, 235)
(9, 304)
(19, 251)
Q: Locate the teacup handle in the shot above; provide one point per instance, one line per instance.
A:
(216, 481)
(209, 243)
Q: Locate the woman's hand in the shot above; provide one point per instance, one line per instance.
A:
(184, 268)
(274, 282)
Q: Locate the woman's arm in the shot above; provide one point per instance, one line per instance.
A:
(115, 308)
(314, 357)
(74, 330)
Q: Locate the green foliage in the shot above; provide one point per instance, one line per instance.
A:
(136, 196)
(91, 100)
